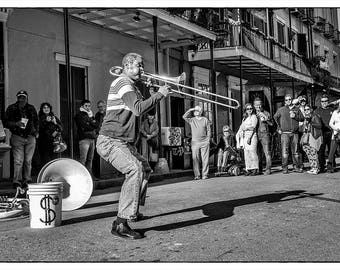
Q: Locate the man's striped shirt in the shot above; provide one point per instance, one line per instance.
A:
(124, 103)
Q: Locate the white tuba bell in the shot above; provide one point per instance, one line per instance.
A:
(77, 181)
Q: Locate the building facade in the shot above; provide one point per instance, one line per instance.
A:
(239, 53)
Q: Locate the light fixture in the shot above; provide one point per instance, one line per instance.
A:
(136, 17)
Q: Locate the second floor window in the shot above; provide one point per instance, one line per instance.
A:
(281, 33)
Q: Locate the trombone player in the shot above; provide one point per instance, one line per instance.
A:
(115, 142)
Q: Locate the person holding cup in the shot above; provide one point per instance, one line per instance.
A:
(22, 120)
(287, 119)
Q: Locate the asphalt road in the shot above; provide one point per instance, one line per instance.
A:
(276, 218)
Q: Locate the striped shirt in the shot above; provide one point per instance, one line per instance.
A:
(124, 104)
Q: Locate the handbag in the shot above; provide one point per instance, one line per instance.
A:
(304, 139)
(59, 144)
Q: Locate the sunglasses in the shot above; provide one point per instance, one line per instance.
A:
(307, 109)
(288, 99)
(324, 101)
(248, 109)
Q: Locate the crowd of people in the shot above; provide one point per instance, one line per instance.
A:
(42, 134)
(302, 132)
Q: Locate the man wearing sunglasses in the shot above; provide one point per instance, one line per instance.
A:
(287, 119)
(264, 137)
(325, 113)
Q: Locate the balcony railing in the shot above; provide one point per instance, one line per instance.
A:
(260, 44)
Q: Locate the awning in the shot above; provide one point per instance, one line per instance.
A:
(173, 31)
(254, 66)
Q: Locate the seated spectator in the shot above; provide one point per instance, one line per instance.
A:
(311, 139)
(224, 148)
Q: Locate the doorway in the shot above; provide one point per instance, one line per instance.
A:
(79, 88)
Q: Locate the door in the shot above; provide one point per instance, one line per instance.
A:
(78, 85)
(177, 110)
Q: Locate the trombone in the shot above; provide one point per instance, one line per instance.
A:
(179, 82)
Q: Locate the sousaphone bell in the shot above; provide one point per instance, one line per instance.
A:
(77, 181)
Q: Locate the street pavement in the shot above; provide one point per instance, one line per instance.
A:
(275, 218)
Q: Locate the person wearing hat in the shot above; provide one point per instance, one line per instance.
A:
(287, 119)
(22, 120)
(200, 142)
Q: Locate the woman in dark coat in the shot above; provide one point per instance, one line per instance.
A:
(50, 129)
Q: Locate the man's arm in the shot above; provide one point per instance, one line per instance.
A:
(277, 117)
(299, 116)
(139, 106)
(186, 114)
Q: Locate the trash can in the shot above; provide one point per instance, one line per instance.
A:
(45, 204)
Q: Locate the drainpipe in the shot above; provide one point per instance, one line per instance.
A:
(68, 80)
(162, 164)
(155, 47)
(271, 92)
(241, 87)
(213, 86)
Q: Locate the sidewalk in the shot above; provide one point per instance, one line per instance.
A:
(101, 184)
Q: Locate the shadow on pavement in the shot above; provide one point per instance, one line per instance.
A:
(225, 209)
(89, 218)
(90, 205)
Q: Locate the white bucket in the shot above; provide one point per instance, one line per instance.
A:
(45, 205)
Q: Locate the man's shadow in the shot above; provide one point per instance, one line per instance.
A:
(224, 209)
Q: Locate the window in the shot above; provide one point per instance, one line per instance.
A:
(260, 24)
(334, 58)
(281, 33)
(294, 40)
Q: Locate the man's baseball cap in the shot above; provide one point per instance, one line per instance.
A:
(22, 93)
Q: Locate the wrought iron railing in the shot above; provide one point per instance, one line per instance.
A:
(258, 42)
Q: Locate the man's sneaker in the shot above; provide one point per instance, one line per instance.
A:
(124, 231)
(197, 178)
(205, 177)
(285, 171)
(267, 172)
(298, 170)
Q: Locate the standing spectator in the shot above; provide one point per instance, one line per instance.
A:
(200, 142)
(264, 136)
(311, 139)
(246, 139)
(50, 129)
(149, 139)
(334, 123)
(287, 119)
(325, 114)
(223, 148)
(22, 120)
(101, 105)
(87, 126)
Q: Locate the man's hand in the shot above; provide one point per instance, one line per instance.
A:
(54, 133)
(279, 131)
(164, 90)
(249, 141)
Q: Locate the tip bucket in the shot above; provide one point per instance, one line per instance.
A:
(45, 204)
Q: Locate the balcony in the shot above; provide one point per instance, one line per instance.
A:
(259, 54)
(329, 31)
(319, 25)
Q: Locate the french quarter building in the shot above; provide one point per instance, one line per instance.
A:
(239, 53)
